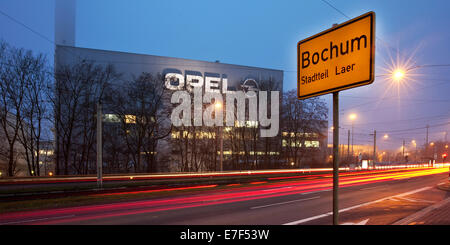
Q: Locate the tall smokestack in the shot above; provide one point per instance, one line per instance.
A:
(65, 14)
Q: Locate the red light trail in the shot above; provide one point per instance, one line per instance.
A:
(222, 196)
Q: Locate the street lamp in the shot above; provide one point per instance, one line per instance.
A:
(398, 74)
(434, 152)
(219, 106)
(385, 137)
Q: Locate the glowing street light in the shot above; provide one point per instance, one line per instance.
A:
(218, 105)
(398, 74)
(386, 136)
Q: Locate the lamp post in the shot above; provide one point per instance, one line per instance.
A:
(219, 106)
(434, 152)
(352, 118)
(99, 147)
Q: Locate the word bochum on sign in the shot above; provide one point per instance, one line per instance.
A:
(338, 58)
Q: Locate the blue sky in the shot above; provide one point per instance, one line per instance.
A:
(265, 34)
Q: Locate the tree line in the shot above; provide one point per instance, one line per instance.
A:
(44, 106)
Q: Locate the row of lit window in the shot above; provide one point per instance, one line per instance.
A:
(297, 143)
(190, 135)
(199, 135)
(247, 124)
(44, 152)
(293, 134)
(129, 119)
(260, 153)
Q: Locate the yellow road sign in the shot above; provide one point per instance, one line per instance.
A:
(339, 58)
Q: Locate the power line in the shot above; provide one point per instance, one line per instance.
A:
(329, 4)
(412, 129)
(25, 26)
(434, 118)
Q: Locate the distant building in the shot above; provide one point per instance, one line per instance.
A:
(19, 167)
(227, 77)
(46, 158)
(184, 148)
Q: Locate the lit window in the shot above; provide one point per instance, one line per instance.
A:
(248, 124)
(175, 135)
(130, 119)
(111, 118)
(251, 124)
(45, 152)
(312, 144)
(150, 153)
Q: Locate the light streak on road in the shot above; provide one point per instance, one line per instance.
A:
(138, 177)
(211, 197)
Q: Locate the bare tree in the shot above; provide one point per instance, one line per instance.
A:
(304, 121)
(34, 110)
(78, 88)
(138, 105)
(22, 76)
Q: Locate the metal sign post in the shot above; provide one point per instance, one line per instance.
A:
(335, 158)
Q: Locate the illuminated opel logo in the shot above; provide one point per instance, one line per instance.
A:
(250, 85)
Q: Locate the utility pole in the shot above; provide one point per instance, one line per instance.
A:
(426, 144)
(221, 148)
(352, 138)
(374, 148)
(403, 149)
(415, 144)
(348, 146)
(99, 146)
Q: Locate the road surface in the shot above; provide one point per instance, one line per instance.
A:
(380, 198)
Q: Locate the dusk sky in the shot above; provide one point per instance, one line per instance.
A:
(265, 34)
